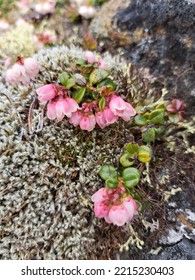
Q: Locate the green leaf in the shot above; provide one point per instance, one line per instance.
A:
(157, 116)
(70, 83)
(63, 78)
(95, 95)
(124, 160)
(111, 183)
(81, 61)
(97, 76)
(148, 135)
(108, 171)
(140, 120)
(159, 130)
(160, 106)
(102, 103)
(131, 148)
(108, 83)
(144, 154)
(130, 177)
(79, 94)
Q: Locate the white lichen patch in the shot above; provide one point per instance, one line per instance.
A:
(190, 215)
(48, 177)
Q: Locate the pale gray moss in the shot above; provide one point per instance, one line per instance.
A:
(47, 178)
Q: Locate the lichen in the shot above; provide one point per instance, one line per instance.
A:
(19, 40)
(48, 175)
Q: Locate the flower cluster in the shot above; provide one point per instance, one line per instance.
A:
(61, 105)
(114, 205)
(87, 97)
(22, 71)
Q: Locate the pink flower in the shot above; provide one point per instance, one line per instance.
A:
(109, 116)
(128, 112)
(88, 122)
(102, 65)
(100, 195)
(117, 105)
(175, 106)
(65, 107)
(46, 92)
(121, 108)
(17, 74)
(75, 118)
(89, 56)
(31, 66)
(7, 62)
(114, 206)
(87, 11)
(101, 209)
(100, 119)
(51, 110)
(45, 7)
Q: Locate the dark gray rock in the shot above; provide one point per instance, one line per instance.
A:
(159, 36)
(184, 250)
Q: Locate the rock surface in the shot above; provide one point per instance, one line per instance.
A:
(184, 250)
(159, 38)
(155, 35)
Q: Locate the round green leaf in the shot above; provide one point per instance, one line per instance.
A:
(107, 171)
(70, 83)
(130, 177)
(148, 135)
(124, 160)
(140, 120)
(97, 76)
(63, 78)
(111, 183)
(79, 94)
(131, 148)
(157, 116)
(144, 154)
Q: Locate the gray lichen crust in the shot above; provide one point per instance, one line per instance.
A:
(47, 177)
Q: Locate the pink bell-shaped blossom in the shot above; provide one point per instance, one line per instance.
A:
(117, 105)
(51, 110)
(128, 112)
(75, 118)
(31, 66)
(65, 107)
(109, 116)
(101, 209)
(45, 7)
(17, 74)
(46, 92)
(89, 56)
(87, 11)
(99, 196)
(114, 205)
(100, 119)
(88, 122)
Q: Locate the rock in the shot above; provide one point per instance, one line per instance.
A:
(155, 35)
(184, 250)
